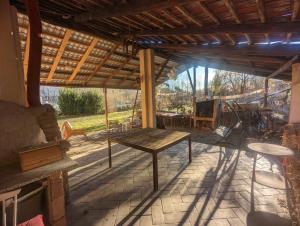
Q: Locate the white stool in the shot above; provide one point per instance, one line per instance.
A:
(6, 197)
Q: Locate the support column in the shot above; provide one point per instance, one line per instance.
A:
(294, 116)
(147, 88)
(266, 92)
(35, 53)
(206, 83)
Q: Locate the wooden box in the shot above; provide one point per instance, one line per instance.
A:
(40, 156)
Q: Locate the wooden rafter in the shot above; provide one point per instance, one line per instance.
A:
(193, 19)
(295, 11)
(26, 54)
(215, 19)
(262, 15)
(161, 69)
(232, 29)
(103, 61)
(284, 67)
(83, 59)
(117, 70)
(135, 7)
(59, 54)
(231, 8)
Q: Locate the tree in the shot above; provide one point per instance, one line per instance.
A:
(231, 83)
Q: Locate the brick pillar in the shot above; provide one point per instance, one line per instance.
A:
(294, 116)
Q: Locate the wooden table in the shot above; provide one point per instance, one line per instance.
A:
(152, 141)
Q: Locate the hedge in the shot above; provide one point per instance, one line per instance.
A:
(72, 102)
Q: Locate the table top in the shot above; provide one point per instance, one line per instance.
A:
(11, 177)
(150, 140)
(270, 149)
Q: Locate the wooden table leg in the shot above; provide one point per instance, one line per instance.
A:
(109, 153)
(190, 149)
(155, 171)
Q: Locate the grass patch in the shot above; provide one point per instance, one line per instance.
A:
(91, 123)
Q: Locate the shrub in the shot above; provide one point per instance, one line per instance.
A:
(73, 102)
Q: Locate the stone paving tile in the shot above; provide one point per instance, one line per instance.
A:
(202, 193)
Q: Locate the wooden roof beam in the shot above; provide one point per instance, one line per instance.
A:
(283, 50)
(83, 59)
(103, 61)
(262, 15)
(59, 54)
(231, 8)
(279, 27)
(295, 11)
(135, 7)
(214, 18)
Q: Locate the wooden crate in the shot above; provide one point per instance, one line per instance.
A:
(40, 156)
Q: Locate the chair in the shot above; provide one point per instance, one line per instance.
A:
(68, 131)
(224, 132)
(6, 199)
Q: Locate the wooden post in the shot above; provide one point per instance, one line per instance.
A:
(107, 127)
(147, 88)
(35, 53)
(294, 115)
(206, 83)
(134, 106)
(194, 91)
(266, 92)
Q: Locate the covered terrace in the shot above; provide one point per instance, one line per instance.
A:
(146, 176)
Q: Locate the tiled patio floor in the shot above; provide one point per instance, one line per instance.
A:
(215, 189)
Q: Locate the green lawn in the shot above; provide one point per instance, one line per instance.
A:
(93, 122)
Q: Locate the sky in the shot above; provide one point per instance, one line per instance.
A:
(183, 78)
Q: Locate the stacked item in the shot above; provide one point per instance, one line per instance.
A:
(291, 139)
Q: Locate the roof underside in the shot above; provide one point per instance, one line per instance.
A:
(254, 37)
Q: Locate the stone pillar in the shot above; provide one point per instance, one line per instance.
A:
(147, 88)
(294, 116)
(12, 87)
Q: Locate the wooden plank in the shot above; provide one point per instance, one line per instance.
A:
(83, 59)
(35, 53)
(103, 61)
(135, 7)
(258, 28)
(59, 54)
